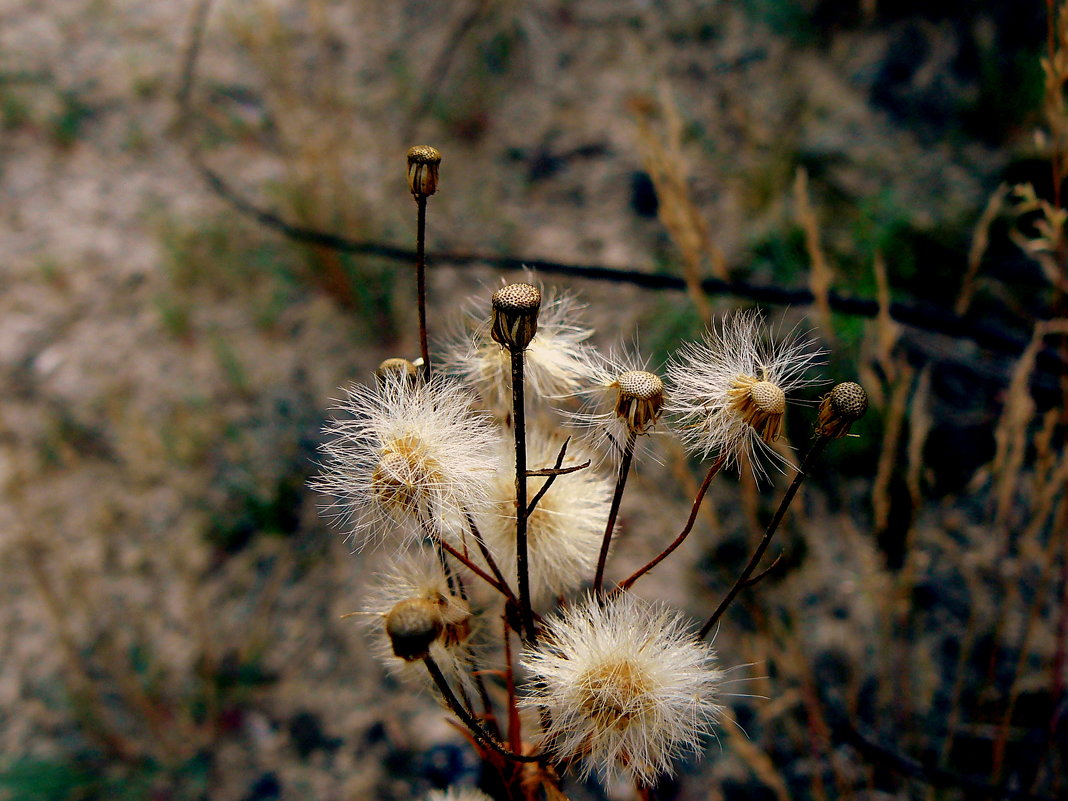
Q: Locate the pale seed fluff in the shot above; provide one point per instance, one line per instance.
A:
(417, 576)
(556, 360)
(620, 398)
(408, 459)
(628, 689)
(727, 393)
(565, 530)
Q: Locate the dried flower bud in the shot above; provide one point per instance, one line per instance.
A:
(641, 396)
(840, 408)
(412, 626)
(515, 315)
(397, 368)
(761, 404)
(423, 161)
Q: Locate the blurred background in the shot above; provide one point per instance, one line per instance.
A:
(171, 600)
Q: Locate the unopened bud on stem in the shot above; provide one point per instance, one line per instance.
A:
(423, 161)
(840, 408)
(412, 626)
(515, 315)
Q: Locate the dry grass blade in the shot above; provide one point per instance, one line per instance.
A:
(820, 274)
(980, 242)
(1010, 436)
(664, 162)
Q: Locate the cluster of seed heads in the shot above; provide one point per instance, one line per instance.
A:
(621, 685)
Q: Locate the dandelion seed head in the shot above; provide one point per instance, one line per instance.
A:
(840, 408)
(627, 688)
(728, 392)
(620, 398)
(408, 458)
(556, 360)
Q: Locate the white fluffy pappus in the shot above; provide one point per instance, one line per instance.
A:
(628, 688)
(418, 575)
(556, 362)
(564, 532)
(619, 393)
(716, 385)
(410, 456)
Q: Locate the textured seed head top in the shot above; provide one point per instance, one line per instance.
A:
(840, 408)
(768, 397)
(640, 400)
(399, 368)
(761, 404)
(413, 625)
(515, 315)
(423, 161)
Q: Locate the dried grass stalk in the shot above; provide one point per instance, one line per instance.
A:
(820, 274)
(664, 162)
(980, 242)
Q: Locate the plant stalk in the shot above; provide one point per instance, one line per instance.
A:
(420, 280)
(521, 508)
(481, 735)
(711, 474)
(613, 512)
(784, 504)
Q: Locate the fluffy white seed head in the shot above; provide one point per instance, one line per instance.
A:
(627, 687)
(620, 397)
(409, 456)
(728, 392)
(410, 596)
(565, 530)
(556, 359)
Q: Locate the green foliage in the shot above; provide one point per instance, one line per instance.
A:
(90, 779)
(67, 123)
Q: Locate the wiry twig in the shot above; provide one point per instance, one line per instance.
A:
(613, 512)
(552, 473)
(482, 736)
(773, 525)
(712, 471)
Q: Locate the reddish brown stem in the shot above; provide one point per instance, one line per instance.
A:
(712, 471)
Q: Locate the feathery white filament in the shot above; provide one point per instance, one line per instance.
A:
(563, 534)
(411, 455)
(555, 362)
(627, 687)
(703, 375)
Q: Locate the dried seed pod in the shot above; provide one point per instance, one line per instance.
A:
(515, 315)
(412, 626)
(423, 161)
(641, 397)
(761, 404)
(840, 408)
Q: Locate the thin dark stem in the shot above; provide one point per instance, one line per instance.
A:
(481, 735)
(784, 504)
(521, 507)
(613, 512)
(420, 280)
(490, 561)
(482, 574)
(711, 474)
(552, 473)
